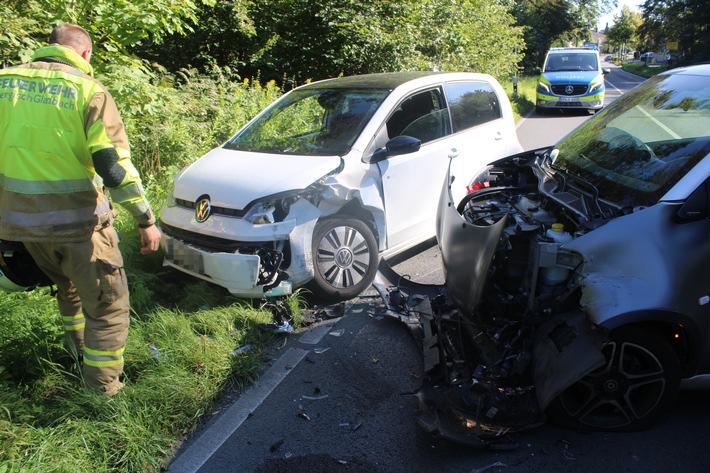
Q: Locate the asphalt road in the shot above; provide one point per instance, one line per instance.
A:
(337, 397)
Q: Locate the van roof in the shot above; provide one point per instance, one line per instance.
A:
(581, 49)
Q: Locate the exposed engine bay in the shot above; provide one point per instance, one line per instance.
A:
(505, 335)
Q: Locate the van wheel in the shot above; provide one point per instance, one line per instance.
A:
(345, 258)
(632, 391)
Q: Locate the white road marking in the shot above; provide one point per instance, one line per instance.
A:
(192, 459)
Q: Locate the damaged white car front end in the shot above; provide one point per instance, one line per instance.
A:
(199, 240)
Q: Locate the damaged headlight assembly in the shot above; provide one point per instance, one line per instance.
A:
(277, 207)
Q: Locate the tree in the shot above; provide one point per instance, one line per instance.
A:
(476, 35)
(561, 22)
(299, 40)
(115, 25)
(222, 36)
(623, 31)
(684, 22)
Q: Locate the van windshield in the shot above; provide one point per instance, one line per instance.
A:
(572, 61)
(311, 122)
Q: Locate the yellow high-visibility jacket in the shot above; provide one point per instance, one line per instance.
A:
(62, 142)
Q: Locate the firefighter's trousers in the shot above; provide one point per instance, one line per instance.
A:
(93, 302)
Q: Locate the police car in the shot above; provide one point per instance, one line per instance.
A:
(572, 78)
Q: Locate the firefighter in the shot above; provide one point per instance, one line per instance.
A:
(62, 144)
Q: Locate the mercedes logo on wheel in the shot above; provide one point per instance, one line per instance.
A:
(202, 209)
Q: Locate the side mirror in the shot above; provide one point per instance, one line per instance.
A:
(606, 70)
(538, 70)
(395, 147)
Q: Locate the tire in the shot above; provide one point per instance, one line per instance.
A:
(540, 110)
(633, 391)
(345, 258)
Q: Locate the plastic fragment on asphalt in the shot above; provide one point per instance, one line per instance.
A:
(337, 333)
(351, 425)
(302, 414)
(314, 398)
(493, 465)
(318, 351)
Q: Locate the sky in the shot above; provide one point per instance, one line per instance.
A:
(633, 4)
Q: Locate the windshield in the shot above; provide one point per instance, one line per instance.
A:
(571, 61)
(640, 146)
(311, 122)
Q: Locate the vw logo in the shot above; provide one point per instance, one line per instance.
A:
(202, 210)
(344, 257)
(569, 90)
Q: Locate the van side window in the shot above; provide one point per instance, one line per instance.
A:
(472, 104)
(422, 115)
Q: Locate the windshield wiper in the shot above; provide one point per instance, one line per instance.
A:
(592, 190)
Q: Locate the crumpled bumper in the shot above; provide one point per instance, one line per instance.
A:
(238, 273)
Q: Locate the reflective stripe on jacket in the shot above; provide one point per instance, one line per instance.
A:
(53, 117)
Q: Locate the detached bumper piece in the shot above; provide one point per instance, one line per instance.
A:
(438, 417)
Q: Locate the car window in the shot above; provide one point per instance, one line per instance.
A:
(472, 104)
(311, 122)
(422, 115)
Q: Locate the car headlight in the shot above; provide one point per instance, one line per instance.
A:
(542, 87)
(596, 85)
(261, 213)
(276, 208)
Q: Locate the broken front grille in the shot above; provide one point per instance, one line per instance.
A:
(207, 242)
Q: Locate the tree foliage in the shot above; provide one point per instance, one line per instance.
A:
(686, 22)
(299, 40)
(556, 22)
(623, 31)
(114, 25)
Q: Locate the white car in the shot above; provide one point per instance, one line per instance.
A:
(330, 178)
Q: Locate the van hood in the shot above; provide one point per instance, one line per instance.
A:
(234, 179)
(570, 77)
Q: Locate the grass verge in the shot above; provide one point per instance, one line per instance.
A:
(523, 102)
(642, 70)
(50, 423)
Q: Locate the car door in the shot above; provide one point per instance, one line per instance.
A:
(481, 131)
(411, 182)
